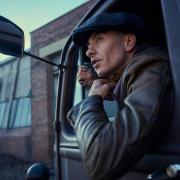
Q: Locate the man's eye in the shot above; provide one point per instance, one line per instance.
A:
(99, 39)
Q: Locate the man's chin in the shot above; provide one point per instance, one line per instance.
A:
(102, 74)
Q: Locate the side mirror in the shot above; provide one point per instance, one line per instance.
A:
(11, 38)
(12, 41)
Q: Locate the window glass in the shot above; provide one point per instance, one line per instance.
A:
(5, 114)
(23, 84)
(28, 114)
(2, 111)
(15, 88)
(1, 84)
(78, 93)
(19, 113)
(13, 112)
(26, 108)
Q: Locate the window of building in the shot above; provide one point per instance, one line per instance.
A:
(15, 99)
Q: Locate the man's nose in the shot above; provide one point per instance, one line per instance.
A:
(90, 51)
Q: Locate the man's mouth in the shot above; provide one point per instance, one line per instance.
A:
(94, 62)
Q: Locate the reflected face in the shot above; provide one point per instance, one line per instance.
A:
(107, 52)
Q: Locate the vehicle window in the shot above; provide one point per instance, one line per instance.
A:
(82, 92)
(78, 91)
(78, 95)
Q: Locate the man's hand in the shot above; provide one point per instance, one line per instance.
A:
(103, 88)
(85, 76)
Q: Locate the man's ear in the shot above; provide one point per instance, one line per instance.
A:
(130, 42)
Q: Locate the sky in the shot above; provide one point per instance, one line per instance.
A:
(32, 14)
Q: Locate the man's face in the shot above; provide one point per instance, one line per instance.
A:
(107, 52)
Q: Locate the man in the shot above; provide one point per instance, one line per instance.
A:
(134, 75)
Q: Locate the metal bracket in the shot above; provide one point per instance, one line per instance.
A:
(59, 66)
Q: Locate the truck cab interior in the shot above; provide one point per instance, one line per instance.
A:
(161, 21)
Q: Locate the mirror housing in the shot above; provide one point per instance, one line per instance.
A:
(12, 42)
(11, 38)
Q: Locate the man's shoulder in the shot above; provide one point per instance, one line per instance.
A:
(148, 56)
(151, 52)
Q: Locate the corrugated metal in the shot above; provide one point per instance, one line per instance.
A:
(15, 93)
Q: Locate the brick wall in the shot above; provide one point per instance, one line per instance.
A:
(16, 142)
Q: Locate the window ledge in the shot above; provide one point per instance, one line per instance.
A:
(23, 131)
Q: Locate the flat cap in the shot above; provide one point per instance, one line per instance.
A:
(120, 21)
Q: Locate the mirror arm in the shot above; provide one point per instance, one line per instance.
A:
(60, 66)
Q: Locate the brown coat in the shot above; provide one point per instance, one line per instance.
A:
(109, 149)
